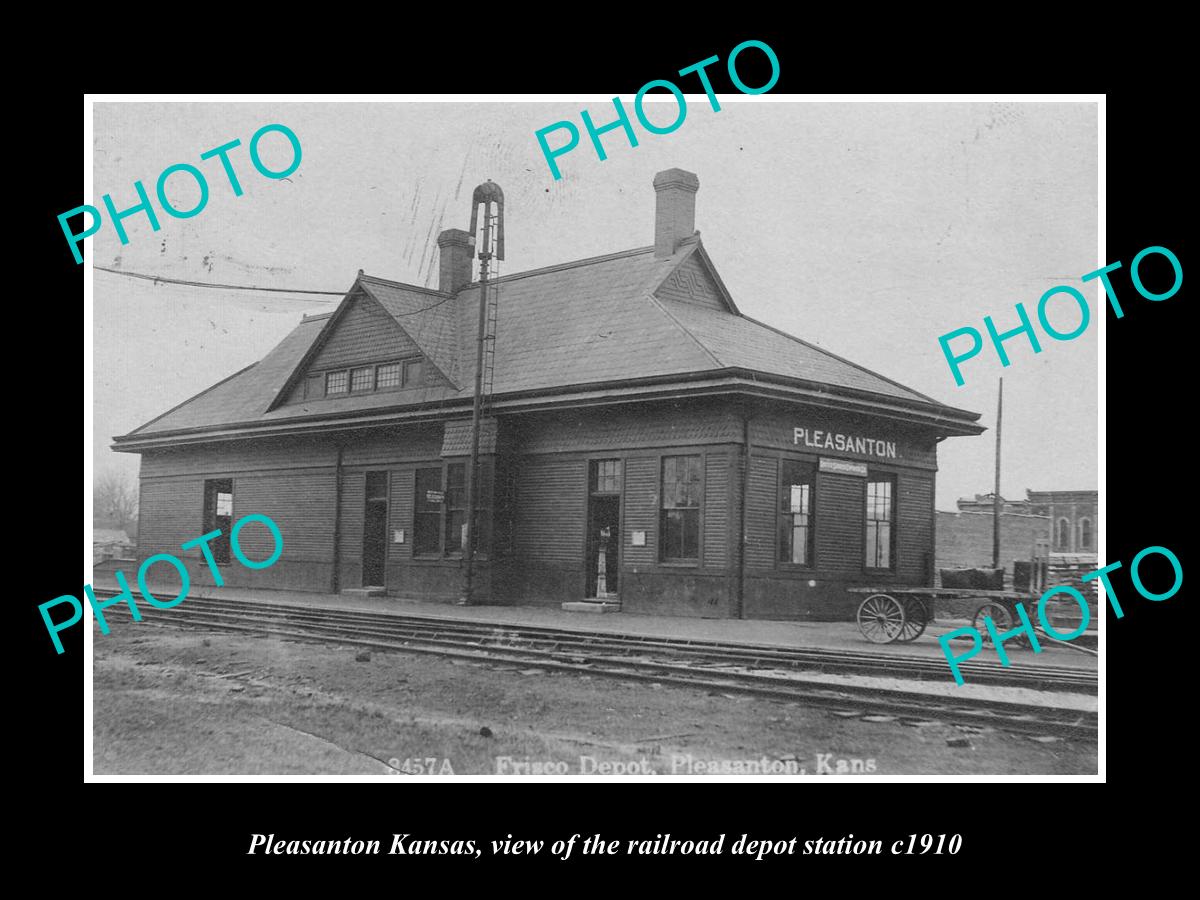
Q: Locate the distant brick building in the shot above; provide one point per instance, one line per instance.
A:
(964, 539)
(1062, 523)
(1072, 516)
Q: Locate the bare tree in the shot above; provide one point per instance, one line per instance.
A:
(115, 497)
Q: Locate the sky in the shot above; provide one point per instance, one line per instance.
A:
(867, 229)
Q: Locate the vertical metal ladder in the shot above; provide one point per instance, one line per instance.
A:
(489, 335)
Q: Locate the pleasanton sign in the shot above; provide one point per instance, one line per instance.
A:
(832, 440)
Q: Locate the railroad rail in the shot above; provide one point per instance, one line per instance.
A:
(766, 671)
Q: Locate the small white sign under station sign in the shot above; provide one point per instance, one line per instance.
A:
(843, 467)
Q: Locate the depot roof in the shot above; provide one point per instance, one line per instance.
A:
(623, 326)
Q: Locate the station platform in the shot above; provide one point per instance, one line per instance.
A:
(770, 633)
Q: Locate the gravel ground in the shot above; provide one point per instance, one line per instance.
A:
(190, 702)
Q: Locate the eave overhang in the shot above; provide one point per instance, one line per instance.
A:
(945, 421)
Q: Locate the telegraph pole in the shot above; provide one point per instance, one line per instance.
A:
(487, 194)
(996, 495)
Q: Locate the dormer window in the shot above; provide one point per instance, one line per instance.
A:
(387, 376)
(362, 379)
(384, 376)
(336, 382)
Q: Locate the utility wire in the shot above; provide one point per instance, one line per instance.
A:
(246, 287)
(209, 284)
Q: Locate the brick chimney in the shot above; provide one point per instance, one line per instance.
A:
(675, 209)
(454, 260)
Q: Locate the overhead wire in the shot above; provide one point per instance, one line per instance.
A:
(162, 279)
(208, 284)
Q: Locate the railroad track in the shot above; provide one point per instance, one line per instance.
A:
(774, 672)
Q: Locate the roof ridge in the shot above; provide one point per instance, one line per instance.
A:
(405, 285)
(558, 267)
(412, 337)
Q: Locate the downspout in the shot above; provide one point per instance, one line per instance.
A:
(741, 594)
(335, 579)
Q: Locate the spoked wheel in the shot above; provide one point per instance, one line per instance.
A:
(1003, 619)
(915, 619)
(881, 619)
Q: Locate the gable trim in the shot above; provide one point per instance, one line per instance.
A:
(697, 249)
(293, 379)
(707, 262)
(425, 354)
(358, 291)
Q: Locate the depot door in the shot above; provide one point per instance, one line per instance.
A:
(603, 528)
(375, 517)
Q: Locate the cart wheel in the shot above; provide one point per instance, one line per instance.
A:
(915, 618)
(1003, 618)
(881, 619)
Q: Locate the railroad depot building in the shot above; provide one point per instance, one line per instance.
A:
(643, 442)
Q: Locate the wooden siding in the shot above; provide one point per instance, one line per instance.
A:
(691, 284)
(641, 510)
(400, 512)
(231, 458)
(840, 516)
(760, 523)
(595, 431)
(171, 513)
(354, 491)
(365, 333)
(715, 526)
(914, 536)
(300, 504)
(391, 447)
(550, 509)
(457, 437)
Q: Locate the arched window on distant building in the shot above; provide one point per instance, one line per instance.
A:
(1085, 534)
(1062, 536)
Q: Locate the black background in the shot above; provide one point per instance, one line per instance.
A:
(1150, 450)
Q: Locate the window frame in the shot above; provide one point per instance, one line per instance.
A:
(221, 547)
(594, 483)
(399, 373)
(406, 364)
(444, 550)
(813, 467)
(370, 370)
(439, 513)
(1086, 537)
(680, 561)
(881, 476)
(332, 372)
(1062, 526)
